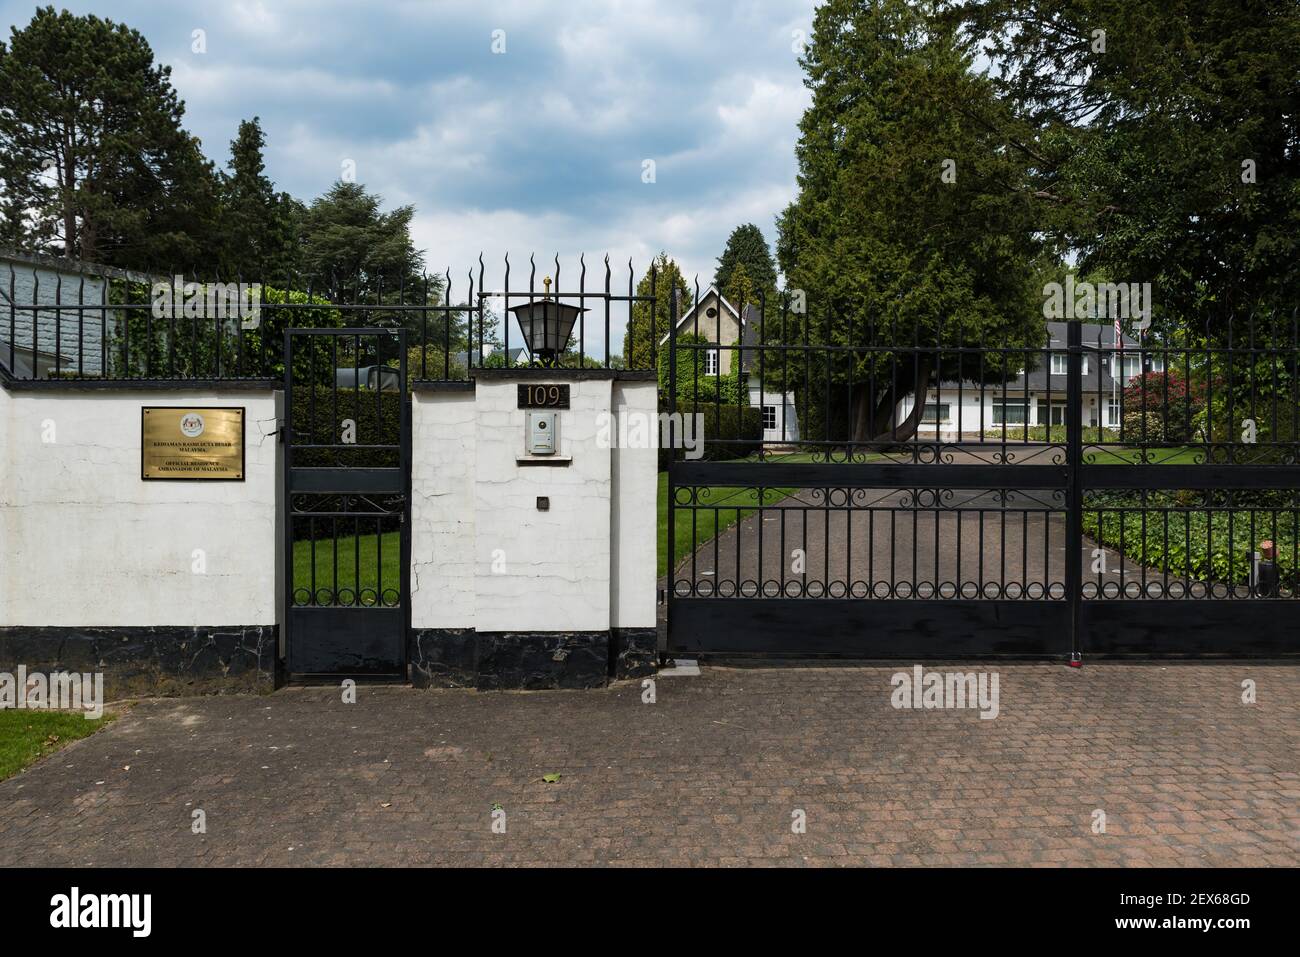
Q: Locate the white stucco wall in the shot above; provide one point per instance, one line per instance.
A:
(634, 528)
(485, 557)
(552, 568)
(85, 541)
(442, 509)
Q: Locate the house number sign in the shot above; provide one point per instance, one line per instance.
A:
(539, 396)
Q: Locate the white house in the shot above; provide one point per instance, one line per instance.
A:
(1038, 397)
(729, 334)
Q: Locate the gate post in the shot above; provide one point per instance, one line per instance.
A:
(670, 493)
(1074, 493)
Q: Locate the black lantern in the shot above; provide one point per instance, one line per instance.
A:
(546, 324)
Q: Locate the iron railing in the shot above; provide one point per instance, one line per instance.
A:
(71, 322)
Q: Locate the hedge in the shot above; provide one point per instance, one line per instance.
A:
(377, 417)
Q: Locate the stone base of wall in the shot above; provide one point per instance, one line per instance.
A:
(634, 652)
(493, 661)
(146, 660)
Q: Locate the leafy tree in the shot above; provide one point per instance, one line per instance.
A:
(650, 321)
(914, 222)
(746, 248)
(94, 160)
(353, 249)
(261, 234)
(1150, 122)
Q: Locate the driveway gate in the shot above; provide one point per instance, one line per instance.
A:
(1076, 493)
(347, 485)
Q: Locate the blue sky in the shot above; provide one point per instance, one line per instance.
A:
(540, 148)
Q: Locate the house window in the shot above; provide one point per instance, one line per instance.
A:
(1132, 364)
(1060, 364)
(710, 361)
(769, 418)
(1112, 413)
(1010, 413)
(935, 413)
(1056, 413)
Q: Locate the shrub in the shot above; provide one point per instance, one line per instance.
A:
(1160, 407)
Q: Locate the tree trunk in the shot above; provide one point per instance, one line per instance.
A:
(905, 430)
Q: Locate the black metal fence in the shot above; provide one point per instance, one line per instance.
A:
(71, 323)
(1032, 470)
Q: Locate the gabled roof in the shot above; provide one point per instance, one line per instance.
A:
(712, 290)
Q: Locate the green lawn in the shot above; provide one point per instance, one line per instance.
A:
(26, 736)
(358, 562)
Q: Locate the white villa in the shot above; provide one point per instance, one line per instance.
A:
(1039, 397)
(721, 324)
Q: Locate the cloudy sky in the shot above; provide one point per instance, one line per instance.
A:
(540, 148)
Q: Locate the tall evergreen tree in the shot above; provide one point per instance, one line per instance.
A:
(260, 225)
(914, 220)
(739, 290)
(746, 246)
(93, 157)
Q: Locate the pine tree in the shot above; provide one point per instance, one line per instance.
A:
(739, 290)
(353, 248)
(93, 157)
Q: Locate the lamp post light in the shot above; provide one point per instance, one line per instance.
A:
(546, 324)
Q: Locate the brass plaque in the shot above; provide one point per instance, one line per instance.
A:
(190, 443)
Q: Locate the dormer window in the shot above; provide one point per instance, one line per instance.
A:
(1061, 364)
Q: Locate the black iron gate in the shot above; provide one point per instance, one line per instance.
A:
(1081, 492)
(347, 485)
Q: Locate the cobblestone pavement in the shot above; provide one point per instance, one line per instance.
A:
(710, 774)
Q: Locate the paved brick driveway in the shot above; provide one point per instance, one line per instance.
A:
(1186, 774)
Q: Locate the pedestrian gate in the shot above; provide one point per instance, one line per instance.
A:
(347, 484)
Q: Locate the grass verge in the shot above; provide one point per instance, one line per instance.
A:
(27, 736)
